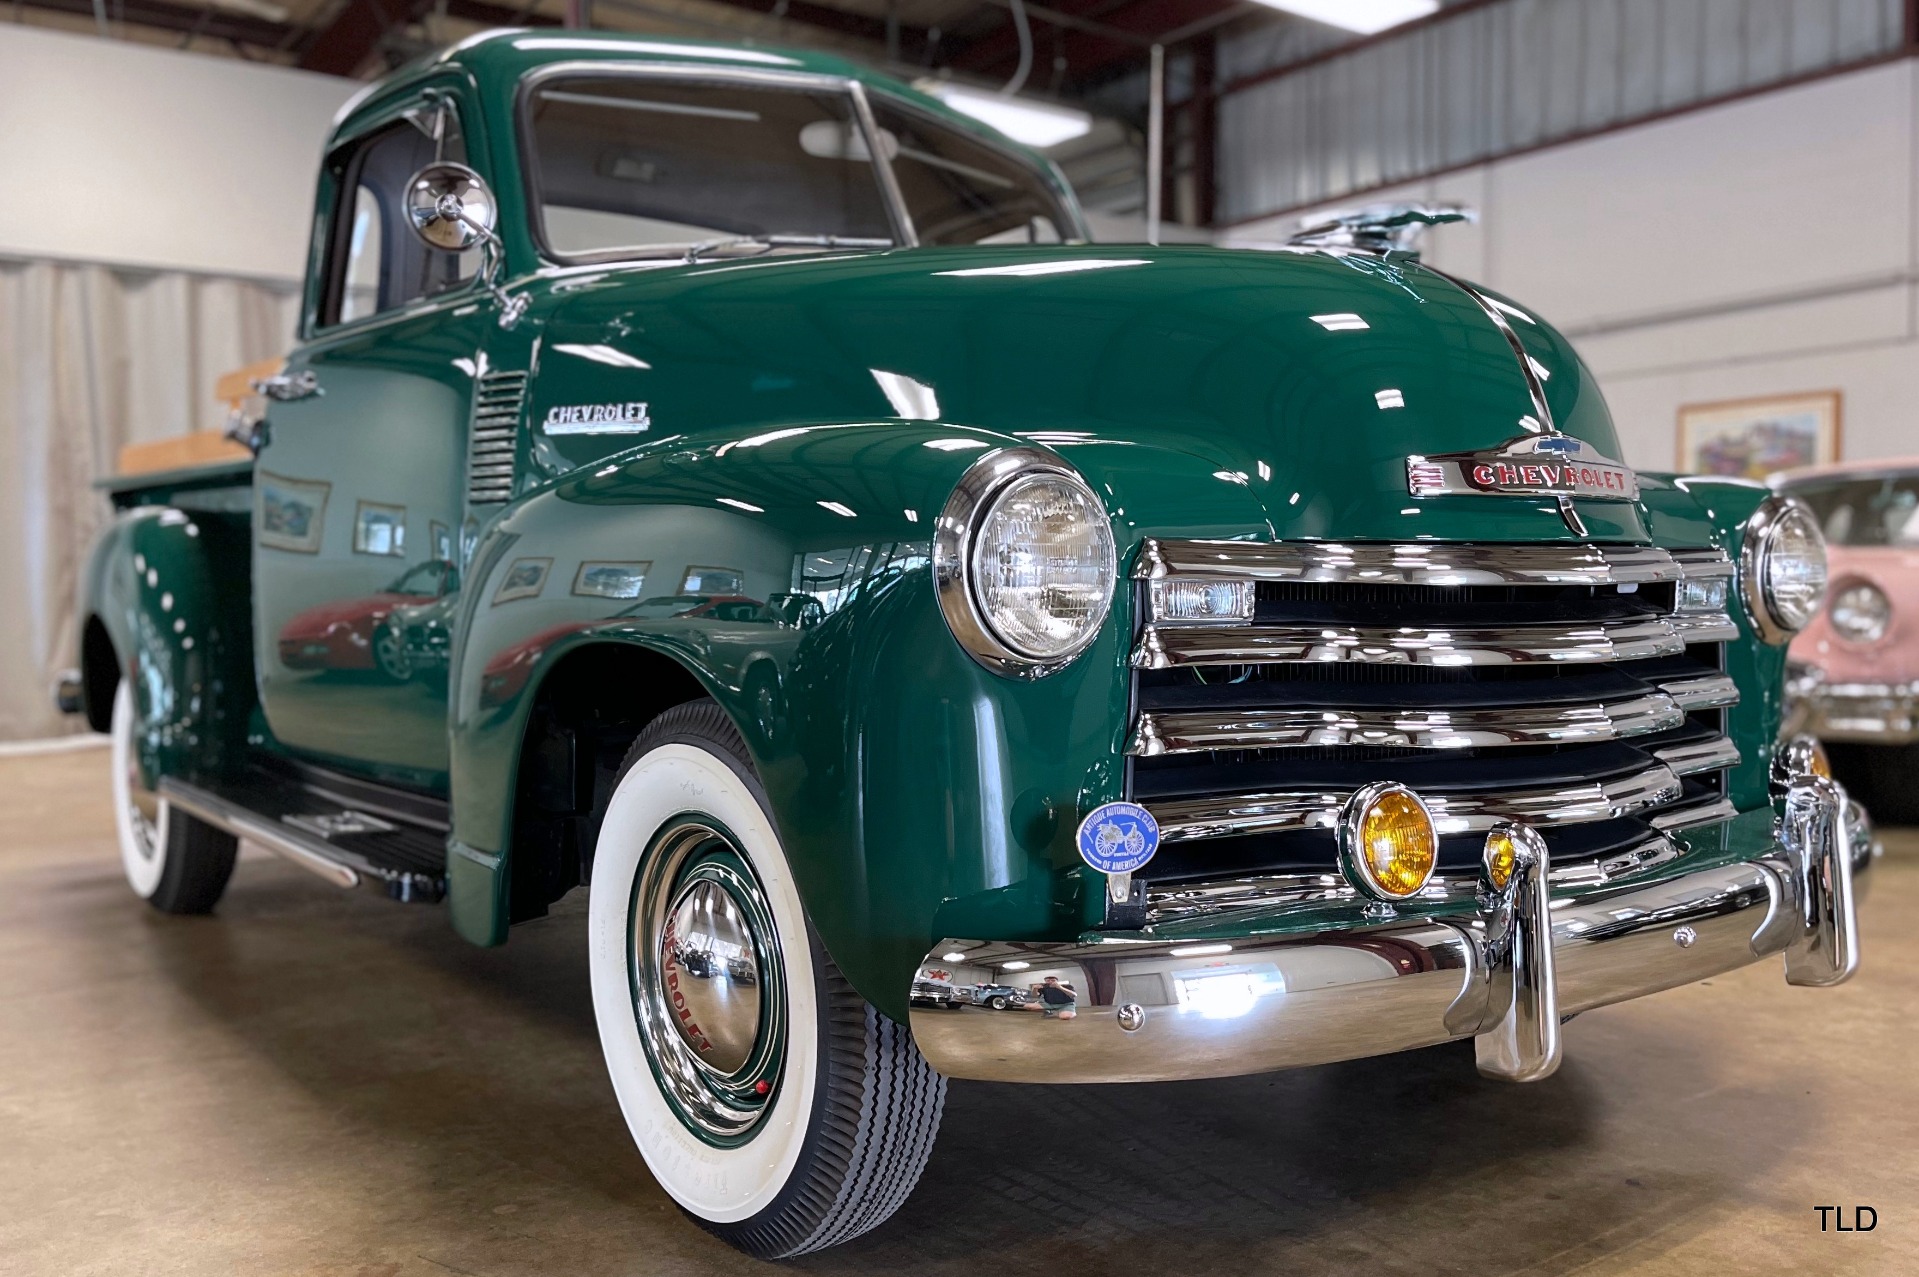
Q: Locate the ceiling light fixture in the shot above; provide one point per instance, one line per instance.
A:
(1039, 124)
(1366, 17)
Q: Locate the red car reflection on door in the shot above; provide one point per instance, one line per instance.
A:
(507, 672)
(352, 634)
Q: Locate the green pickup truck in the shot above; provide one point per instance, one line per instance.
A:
(731, 482)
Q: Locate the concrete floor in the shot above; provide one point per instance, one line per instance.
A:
(318, 1082)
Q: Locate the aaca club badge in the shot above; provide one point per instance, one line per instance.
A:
(1118, 838)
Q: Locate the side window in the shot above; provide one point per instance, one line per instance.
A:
(360, 290)
(961, 191)
(375, 262)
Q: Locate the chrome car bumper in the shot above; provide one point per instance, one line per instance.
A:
(1505, 974)
(1867, 713)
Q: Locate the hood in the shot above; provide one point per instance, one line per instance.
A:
(1304, 378)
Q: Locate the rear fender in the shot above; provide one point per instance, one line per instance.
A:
(168, 588)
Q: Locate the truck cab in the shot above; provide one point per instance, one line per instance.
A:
(730, 483)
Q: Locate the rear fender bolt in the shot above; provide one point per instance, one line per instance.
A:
(1131, 1016)
(1685, 937)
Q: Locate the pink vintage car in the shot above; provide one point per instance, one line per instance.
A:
(1853, 678)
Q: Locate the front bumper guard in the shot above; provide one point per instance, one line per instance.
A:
(1505, 975)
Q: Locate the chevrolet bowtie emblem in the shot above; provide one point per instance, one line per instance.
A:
(1529, 466)
(1543, 465)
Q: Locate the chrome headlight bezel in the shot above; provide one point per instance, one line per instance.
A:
(1876, 625)
(974, 499)
(1768, 523)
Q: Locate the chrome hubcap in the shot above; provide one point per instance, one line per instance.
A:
(143, 808)
(709, 989)
(712, 975)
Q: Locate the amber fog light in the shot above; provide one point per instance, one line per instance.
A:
(1797, 758)
(1387, 844)
(1502, 855)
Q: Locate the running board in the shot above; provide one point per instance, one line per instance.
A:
(345, 847)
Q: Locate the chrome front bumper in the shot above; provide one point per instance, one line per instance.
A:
(1867, 713)
(1505, 974)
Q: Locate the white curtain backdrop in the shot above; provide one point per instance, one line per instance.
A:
(93, 357)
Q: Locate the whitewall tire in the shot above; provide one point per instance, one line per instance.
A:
(173, 861)
(769, 1099)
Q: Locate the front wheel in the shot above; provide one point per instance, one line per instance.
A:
(771, 1101)
(175, 862)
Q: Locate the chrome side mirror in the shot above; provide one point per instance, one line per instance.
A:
(449, 207)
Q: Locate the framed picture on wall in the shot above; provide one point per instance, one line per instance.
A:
(524, 579)
(1753, 438)
(598, 579)
(379, 529)
(291, 513)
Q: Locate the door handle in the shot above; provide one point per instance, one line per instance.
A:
(253, 435)
(287, 387)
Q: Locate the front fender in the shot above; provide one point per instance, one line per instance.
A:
(916, 792)
(1708, 509)
(160, 581)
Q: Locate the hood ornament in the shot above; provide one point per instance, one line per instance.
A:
(1379, 228)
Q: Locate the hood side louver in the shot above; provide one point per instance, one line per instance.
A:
(496, 425)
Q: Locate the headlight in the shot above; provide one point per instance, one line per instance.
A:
(1860, 611)
(1023, 558)
(1782, 568)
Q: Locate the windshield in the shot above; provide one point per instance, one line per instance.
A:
(958, 190)
(626, 164)
(634, 166)
(1879, 511)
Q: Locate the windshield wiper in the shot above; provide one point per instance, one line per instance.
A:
(695, 251)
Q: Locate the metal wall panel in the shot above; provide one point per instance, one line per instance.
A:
(1506, 77)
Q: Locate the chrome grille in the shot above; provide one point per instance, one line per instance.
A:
(1575, 687)
(496, 427)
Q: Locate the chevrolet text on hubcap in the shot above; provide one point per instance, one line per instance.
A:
(708, 986)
